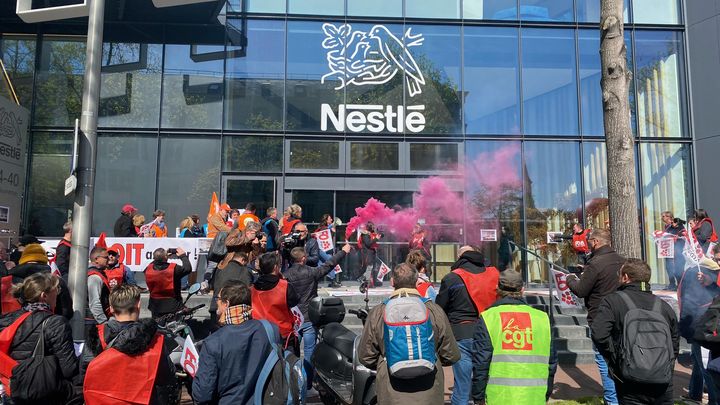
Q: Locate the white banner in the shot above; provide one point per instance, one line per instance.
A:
(665, 248)
(692, 251)
(190, 357)
(384, 269)
(562, 291)
(324, 239)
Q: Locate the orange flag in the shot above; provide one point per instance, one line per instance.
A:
(101, 241)
(214, 205)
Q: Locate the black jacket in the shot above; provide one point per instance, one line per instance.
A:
(312, 252)
(267, 282)
(695, 297)
(607, 327)
(62, 258)
(482, 353)
(600, 277)
(64, 300)
(304, 279)
(454, 298)
(162, 306)
(234, 271)
(134, 338)
(124, 227)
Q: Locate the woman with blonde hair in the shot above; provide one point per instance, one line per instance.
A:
(186, 226)
(138, 222)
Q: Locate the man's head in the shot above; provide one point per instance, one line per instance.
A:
(250, 208)
(403, 276)
(298, 255)
(241, 257)
(251, 230)
(234, 293)
(67, 230)
(418, 261)
(635, 271)
(125, 302)
(99, 257)
(510, 284)
(598, 238)
(577, 228)
(160, 255)
(667, 217)
(234, 214)
(224, 210)
(270, 263)
(129, 210)
(466, 248)
(159, 215)
(113, 258)
(272, 212)
(302, 230)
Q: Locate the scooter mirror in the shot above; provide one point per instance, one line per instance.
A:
(194, 289)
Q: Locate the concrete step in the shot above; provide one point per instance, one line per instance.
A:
(570, 331)
(579, 320)
(570, 344)
(576, 357)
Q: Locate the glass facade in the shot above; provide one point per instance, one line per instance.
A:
(292, 102)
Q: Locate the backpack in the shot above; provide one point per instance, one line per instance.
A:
(37, 377)
(408, 337)
(271, 242)
(218, 250)
(646, 351)
(706, 329)
(282, 380)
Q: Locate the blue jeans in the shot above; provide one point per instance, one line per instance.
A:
(462, 374)
(609, 394)
(308, 333)
(700, 376)
(129, 276)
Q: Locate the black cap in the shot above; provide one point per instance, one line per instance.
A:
(28, 239)
(511, 281)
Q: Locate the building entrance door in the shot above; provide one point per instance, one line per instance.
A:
(261, 190)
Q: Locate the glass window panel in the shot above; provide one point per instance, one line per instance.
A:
(119, 160)
(490, 10)
(320, 7)
(252, 154)
(59, 82)
(309, 82)
(432, 8)
(375, 8)
(374, 156)
(667, 186)
(257, 6)
(48, 208)
(546, 10)
(589, 10)
(597, 214)
(255, 79)
(552, 201)
(347, 201)
(659, 80)
(656, 11)
(260, 192)
(314, 155)
(130, 85)
(314, 203)
(590, 91)
(549, 82)
(433, 156)
(491, 68)
(193, 86)
(18, 56)
(494, 198)
(189, 173)
(438, 59)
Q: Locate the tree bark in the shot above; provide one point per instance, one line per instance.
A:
(615, 83)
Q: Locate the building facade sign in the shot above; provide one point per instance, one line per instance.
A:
(13, 138)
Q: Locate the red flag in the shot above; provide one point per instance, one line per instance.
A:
(101, 241)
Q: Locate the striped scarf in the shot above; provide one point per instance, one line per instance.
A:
(236, 314)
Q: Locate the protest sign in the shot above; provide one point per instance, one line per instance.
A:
(384, 269)
(566, 297)
(324, 239)
(190, 357)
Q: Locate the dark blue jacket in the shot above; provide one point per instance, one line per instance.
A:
(695, 297)
(230, 363)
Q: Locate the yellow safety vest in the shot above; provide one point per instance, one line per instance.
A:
(521, 341)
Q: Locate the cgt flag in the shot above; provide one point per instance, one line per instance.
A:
(384, 269)
(564, 295)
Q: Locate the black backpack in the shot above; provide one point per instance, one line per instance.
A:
(706, 329)
(646, 353)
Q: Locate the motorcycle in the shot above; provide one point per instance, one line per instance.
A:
(340, 378)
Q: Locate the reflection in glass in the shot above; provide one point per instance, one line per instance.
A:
(589, 11)
(130, 85)
(546, 10)
(254, 86)
(432, 9)
(590, 75)
(373, 156)
(433, 156)
(18, 56)
(375, 8)
(659, 80)
(59, 82)
(193, 86)
(314, 155)
(189, 173)
(597, 214)
(667, 186)
(322, 7)
(314, 204)
(552, 201)
(549, 82)
(490, 82)
(656, 11)
(260, 192)
(258, 6)
(252, 154)
(119, 160)
(490, 10)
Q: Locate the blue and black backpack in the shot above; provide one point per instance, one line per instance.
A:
(408, 337)
(282, 380)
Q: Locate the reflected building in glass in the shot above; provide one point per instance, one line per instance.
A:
(327, 103)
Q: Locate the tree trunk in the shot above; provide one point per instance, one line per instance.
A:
(616, 78)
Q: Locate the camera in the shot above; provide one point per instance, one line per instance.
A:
(172, 251)
(291, 240)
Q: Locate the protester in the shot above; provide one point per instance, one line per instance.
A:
(131, 337)
(186, 228)
(419, 241)
(38, 294)
(327, 223)
(310, 244)
(418, 260)
(505, 249)
(704, 230)
(368, 244)
(62, 251)
(698, 287)
(235, 271)
(22, 243)
(600, 277)
(197, 229)
(231, 358)
(273, 297)
(163, 279)
(245, 241)
(124, 227)
(464, 293)
(98, 286)
(304, 278)
(294, 216)
(580, 245)
(610, 332)
(248, 216)
(270, 227)
(158, 228)
(674, 266)
(519, 370)
(424, 389)
(138, 220)
(216, 221)
(232, 220)
(117, 272)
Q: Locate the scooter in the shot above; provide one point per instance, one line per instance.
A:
(340, 378)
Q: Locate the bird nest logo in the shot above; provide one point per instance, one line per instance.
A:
(370, 58)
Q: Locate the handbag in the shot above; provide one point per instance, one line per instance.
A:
(218, 250)
(38, 377)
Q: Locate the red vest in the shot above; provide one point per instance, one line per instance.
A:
(423, 287)
(482, 287)
(272, 305)
(161, 283)
(580, 243)
(116, 275)
(288, 226)
(373, 244)
(9, 303)
(105, 294)
(713, 235)
(133, 377)
(7, 363)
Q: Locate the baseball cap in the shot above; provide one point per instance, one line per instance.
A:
(225, 207)
(113, 252)
(510, 280)
(28, 239)
(128, 208)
